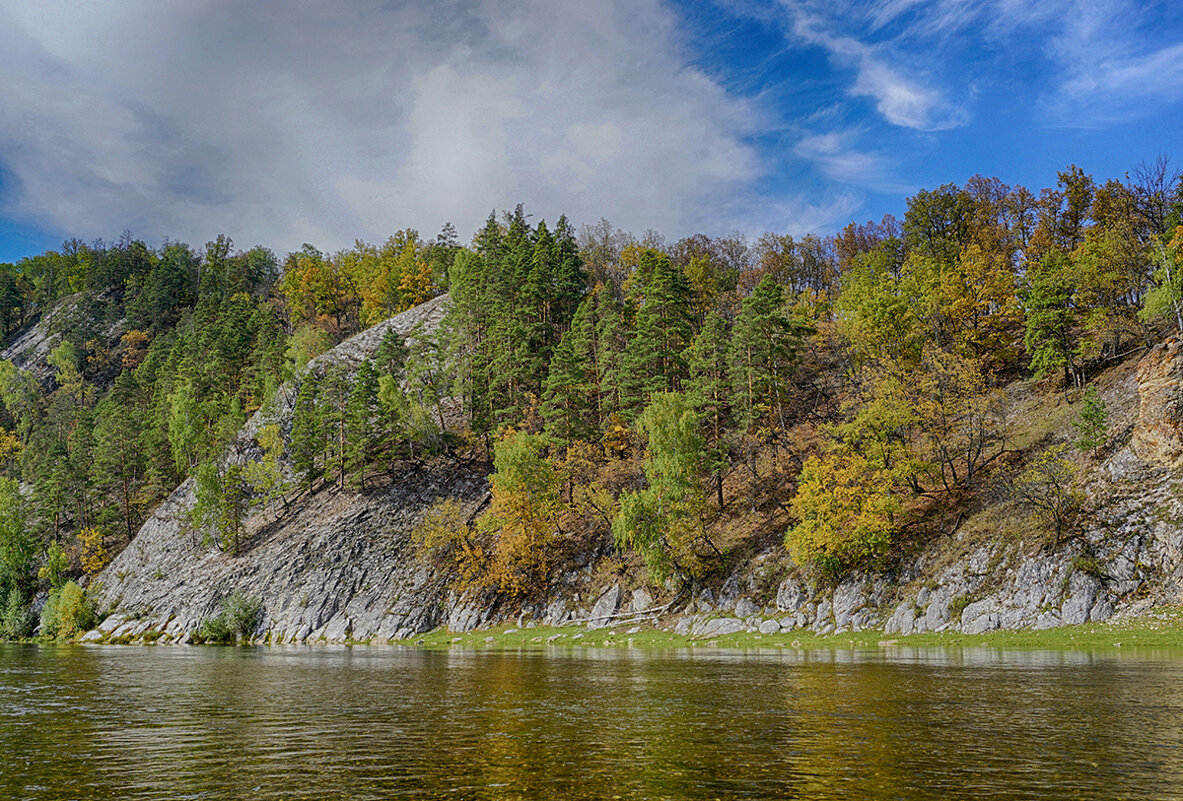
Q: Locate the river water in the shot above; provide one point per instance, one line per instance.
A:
(326, 723)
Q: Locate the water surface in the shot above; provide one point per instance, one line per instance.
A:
(318, 723)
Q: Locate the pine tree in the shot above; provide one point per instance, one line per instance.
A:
(334, 405)
(709, 391)
(467, 330)
(611, 341)
(236, 501)
(570, 400)
(570, 281)
(118, 464)
(362, 422)
(764, 344)
(390, 365)
(308, 433)
(390, 358)
(535, 299)
(1092, 423)
(654, 360)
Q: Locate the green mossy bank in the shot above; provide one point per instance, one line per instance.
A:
(1161, 629)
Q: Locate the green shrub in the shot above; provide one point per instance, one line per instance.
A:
(239, 617)
(1088, 565)
(243, 613)
(957, 605)
(68, 613)
(214, 631)
(18, 621)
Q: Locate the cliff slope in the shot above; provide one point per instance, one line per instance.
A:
(334, 566)
(339, 566)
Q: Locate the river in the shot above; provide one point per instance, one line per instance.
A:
(386, 722)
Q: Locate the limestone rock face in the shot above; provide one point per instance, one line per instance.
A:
(1158, 434)
(335, 566)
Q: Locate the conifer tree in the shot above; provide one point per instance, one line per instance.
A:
(308, 432)
(362, 422)
(118, 463)
(710, 392)
(570, 280)
(390, 358)
(570, 400)
(764, 343)
(467, 330)
(1092, 423)
(334, 405)
(654, 360)
(535, 299)
(610, 346)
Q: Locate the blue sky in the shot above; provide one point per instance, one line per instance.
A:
(279, 124)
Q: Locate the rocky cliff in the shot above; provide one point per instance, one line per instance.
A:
(1158, 436)
(339, 566)
(333, 566)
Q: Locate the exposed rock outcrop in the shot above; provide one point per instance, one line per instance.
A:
(339, 565)
(336, 566)
(1158, 434)
(30, 350)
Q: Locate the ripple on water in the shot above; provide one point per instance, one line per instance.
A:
(299, 723)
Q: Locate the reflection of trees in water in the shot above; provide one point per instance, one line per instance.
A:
(335, 722)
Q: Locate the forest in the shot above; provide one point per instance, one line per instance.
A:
(676, 403)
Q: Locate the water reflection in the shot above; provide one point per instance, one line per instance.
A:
(319, 723)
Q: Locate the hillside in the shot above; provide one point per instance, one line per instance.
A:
(962, 419)
(340, 566)
(331, 566)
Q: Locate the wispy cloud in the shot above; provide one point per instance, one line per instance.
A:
(1106, 60)
(901, 100)
(1102, 60)
(1109, 69)
(836, 156)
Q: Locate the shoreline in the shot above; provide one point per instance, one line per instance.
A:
(1159, 628)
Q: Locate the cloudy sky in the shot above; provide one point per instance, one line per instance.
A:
(282, 122)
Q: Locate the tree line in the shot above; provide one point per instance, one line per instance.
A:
(629, 394)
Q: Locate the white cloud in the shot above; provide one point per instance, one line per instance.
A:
(1108, 60)
(797, 217)
(281, 123)
(1109, 70)
(838, 158)
(902, 101)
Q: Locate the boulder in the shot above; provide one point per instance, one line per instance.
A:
(605, 607)
(980, 616)
(790, 596)
(718, 627)
(902, 620)
(745, 608)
